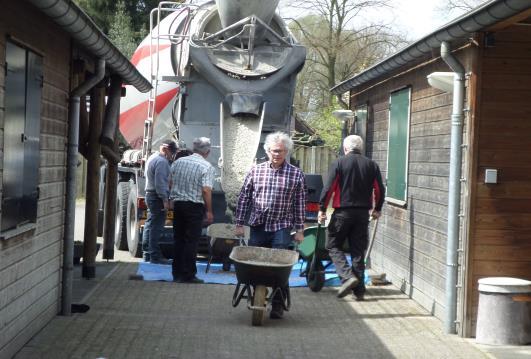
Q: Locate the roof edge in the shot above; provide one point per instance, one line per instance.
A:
(72, 19)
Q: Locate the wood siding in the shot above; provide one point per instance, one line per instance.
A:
(500, 238)
(411, 241)
(30, 264)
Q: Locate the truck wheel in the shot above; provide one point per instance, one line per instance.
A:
(133, 225)
(120, 227)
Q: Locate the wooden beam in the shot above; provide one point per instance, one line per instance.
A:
(97, 103)
(510, 21)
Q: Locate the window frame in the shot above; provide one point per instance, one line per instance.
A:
(31, 91)
(389, 198)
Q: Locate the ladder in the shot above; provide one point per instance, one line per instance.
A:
(185, 12)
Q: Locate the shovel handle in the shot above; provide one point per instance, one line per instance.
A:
(371, 242)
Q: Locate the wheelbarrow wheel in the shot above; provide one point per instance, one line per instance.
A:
(259, 303)
(315, 275)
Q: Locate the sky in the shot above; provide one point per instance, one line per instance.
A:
(418, 17)
(413, 18)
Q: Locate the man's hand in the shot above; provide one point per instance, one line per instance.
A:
(321, 217)
(375, 214)
(239, 231)
(209, 217)
(299, 236)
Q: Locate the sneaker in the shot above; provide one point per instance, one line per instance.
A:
(276, 312)
(193, 280)
(161, 261)
(347, 286)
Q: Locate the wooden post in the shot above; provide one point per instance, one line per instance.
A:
(97, 101)
(111, 178)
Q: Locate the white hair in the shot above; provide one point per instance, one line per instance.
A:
(278, 137)
(202, 145)
(353, 143)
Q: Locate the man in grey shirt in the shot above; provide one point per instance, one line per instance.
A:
(157, 193)
(192, 179)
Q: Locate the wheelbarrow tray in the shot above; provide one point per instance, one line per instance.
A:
(314, 242)
(263, 266)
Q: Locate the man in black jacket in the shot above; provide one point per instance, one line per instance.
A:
(355, 182)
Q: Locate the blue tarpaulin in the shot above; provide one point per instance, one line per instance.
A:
(216, 275)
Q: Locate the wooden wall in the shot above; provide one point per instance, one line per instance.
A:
(411, 240)
(30, 264)
(500, 238)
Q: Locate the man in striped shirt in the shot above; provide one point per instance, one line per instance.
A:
(192, 180)
(275, 193)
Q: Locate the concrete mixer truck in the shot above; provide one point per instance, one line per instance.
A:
(222, 69)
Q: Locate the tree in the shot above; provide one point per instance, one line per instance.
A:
(101, 11)
(121, 32)
(337, 49)
(327, 126)
(460, 6)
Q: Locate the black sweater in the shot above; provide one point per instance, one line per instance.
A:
(352, 179)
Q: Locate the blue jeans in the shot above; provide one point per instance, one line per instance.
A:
(279, 239)
(153, 227)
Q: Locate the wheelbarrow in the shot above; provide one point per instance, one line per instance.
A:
(222, 241)
(258, 268)
(313, 251)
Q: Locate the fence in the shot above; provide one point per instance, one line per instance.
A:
(315, 159)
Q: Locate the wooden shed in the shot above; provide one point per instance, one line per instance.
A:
(48, 50)
(415, 131)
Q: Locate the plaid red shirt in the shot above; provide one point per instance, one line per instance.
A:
(277, 197)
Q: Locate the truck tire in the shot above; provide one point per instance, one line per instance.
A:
(134, 242)
(120, 227)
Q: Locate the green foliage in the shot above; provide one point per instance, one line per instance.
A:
(121, 32)
(327, 126)
(102, 12)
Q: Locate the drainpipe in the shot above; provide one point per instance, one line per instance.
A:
(70, 205)
(454, 190)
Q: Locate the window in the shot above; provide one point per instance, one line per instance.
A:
(23, 87)
(397, 155)
(360, 123)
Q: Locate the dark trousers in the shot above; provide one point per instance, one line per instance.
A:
(187, 225)
(351, 225)
(156, 216)
(278, 239)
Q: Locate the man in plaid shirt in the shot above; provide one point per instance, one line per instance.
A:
(275, 192)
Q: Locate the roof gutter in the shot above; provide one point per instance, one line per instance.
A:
(463, 27)
(83, 30)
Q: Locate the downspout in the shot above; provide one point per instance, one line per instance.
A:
(454, 190)
(70, 205)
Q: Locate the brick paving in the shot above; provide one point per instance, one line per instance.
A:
(137, 319)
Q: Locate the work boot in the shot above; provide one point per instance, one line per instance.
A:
(347, 286)
(193, 280)
(276, 311)
(163, 261)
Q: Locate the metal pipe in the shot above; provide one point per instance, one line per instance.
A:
(112, 112)
(70, 205)
(454, 188)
